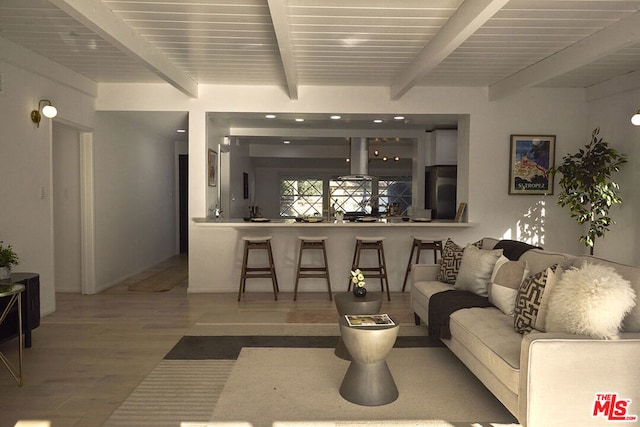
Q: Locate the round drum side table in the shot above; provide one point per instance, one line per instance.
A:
(368, 380)
(347, 303)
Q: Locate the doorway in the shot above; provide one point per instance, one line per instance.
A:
(183, 201)
(66, 209)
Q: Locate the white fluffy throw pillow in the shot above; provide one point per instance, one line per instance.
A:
(592, 300)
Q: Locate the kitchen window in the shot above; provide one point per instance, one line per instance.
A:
(300, 197)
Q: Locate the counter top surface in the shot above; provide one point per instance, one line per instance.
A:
(385, 222)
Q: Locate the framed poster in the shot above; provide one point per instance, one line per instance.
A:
(531, 158)
(245, 185)
(213, 168)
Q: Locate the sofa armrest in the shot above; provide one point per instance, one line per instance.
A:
(424, 272)
(561, 375)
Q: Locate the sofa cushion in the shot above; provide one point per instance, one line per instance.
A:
(528, 300)
(591, 300)
(476, 268)
(506, 279)
(420, 294)
(489, 335)
(538, 259)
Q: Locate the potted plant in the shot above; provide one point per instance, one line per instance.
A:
(587, 187)
(8, 258)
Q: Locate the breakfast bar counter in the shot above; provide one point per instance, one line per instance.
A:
(216, 256)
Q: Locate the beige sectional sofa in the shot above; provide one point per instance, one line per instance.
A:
(545, 378)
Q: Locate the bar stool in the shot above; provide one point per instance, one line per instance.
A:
(420, 244)
(312, 271)
(258, 242)
(380, 272)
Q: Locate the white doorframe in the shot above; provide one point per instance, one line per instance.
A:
(87, 214)
(87, 207)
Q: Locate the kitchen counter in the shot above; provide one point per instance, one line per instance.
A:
(276, 223)
(215, 264)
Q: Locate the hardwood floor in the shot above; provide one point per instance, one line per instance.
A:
(90, 354)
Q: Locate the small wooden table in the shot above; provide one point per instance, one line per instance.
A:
(368, 380)
(347, 303)
(15, 296)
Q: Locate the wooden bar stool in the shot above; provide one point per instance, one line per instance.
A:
(380, 272)
(269, 271)
(418, 246)
(312, 271)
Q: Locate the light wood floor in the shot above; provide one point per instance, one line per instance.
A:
(90, 354)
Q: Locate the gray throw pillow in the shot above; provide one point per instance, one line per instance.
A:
(476, 268)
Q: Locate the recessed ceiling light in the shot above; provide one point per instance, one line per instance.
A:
(347, 160)
(299, 120)
(398, 118)
(270, 116)
(336, 117)
(181, 131)
(377, 121)
(287, 142)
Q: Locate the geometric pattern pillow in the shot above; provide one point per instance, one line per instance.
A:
(450, 262)
(528, 300)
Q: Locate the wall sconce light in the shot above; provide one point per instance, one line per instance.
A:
(48, 110)
(635, 119)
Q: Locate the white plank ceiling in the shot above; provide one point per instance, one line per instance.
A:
(500, 44)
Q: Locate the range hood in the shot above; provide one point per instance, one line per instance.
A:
(359, 160)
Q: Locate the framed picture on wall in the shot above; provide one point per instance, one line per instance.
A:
(531, 158)
(213, 168)
(245, 185)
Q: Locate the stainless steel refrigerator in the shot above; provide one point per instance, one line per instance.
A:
(440, 191)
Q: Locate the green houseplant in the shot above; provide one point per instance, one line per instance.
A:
(8, 258)
(587, 187)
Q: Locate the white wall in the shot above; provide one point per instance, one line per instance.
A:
(135, 223)
(613, 115)
(26, 207)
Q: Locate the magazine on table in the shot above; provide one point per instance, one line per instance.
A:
(369, 320)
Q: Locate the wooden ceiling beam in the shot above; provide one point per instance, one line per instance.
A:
(469, 17)
(620, 35)
(280, 20)
(101, 20)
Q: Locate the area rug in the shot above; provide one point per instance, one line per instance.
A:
(202, 377)
(301, 385)
(162, 281)
(176, 391)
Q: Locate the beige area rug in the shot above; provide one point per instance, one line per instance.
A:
(268, 385)
(162, 281)
(176, 391)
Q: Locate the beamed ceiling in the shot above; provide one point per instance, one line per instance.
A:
(500, 44)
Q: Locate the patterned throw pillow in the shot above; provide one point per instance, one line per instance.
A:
(451, 259)
(528, 300)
